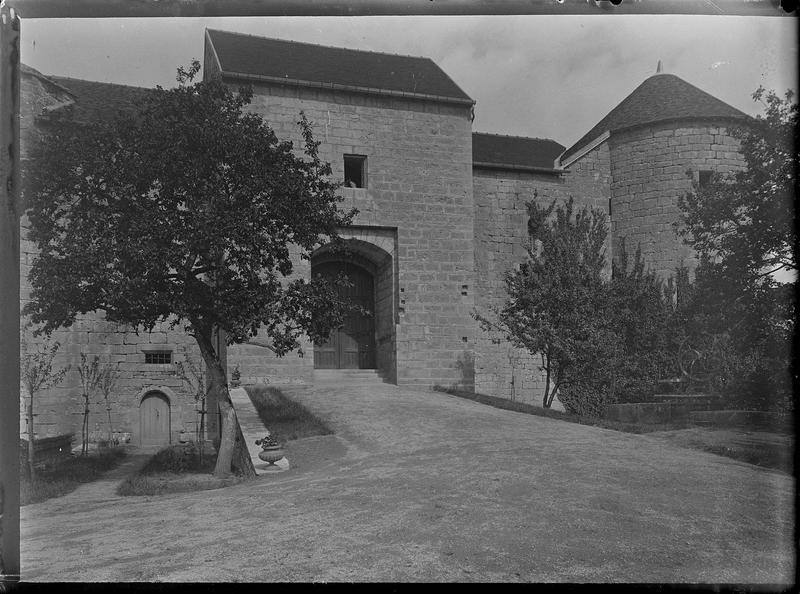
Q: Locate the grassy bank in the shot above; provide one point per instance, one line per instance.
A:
(538, 411)
(66, 475)
(285, 418)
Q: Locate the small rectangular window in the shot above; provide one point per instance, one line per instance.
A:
(704, 178)
(355, 171)
(158, 357)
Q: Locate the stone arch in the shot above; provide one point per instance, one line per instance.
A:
(372, 250)
(171, 396)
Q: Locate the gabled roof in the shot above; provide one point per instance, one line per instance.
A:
(514, 152)
(97, 101)
(662, 97)
(293, 62)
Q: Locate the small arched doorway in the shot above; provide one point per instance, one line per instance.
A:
(353, 345)
(154, 419)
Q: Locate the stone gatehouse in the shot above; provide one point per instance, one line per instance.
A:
(441, 217)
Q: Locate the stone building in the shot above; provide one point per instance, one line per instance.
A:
(441, 217)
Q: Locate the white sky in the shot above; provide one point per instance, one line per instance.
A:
(540, 76)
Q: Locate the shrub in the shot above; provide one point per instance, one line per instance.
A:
(177, 460)
(586, 399)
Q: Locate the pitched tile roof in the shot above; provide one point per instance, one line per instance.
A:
(660, 98)
(324, 66)
(96, 101)
(514, 152)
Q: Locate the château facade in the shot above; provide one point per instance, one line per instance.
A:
(441, 218)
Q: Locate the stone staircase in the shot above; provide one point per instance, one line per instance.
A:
(348, 377)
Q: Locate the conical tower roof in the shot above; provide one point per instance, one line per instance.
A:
(660, 98)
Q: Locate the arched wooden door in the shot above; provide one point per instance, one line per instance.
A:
(154, 419)
(353, 345)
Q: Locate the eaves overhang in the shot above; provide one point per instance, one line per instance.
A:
(513, 167)
(348, 88)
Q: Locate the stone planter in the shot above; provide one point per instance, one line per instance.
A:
(271, 454)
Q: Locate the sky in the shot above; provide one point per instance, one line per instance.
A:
(537, 76)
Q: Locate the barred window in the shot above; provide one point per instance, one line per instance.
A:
(158, 357)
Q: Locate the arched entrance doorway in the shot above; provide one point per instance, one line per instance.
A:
(353, 345)
(154, 419)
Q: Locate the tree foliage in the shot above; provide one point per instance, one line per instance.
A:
(187, 212)
(742, 226)
(599, 340)
(744, 222)
(639, 309)
(555, 295)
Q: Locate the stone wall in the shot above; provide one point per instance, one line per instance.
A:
(419, 182)
(651, 167)
(589, 178)
(501, 238)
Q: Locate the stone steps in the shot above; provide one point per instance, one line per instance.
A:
(348, 377)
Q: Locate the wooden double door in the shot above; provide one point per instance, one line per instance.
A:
(353, 345)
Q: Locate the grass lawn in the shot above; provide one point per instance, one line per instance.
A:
(285, 418)
(176, 469)
(67, 475)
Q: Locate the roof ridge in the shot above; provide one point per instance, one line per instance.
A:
(98, 82)
(320, 45)
(516, 136)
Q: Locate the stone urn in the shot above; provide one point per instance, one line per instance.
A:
(271, 453)
(236, 376)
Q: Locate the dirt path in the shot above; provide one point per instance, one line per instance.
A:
(425, 486)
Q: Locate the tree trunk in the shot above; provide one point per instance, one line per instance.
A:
(31, 435)
(553, 393)
(229, 445)
(108, 412)
(85, 428)
(545, 401)
(228, 440)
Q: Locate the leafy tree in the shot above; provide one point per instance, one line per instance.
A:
(556, 296)
(742, 227)
(185, 212)
(640, 311)
(744, 222)
(37, 374)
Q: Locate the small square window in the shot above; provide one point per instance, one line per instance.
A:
(355, 171)
(704, 178)
(158, 357)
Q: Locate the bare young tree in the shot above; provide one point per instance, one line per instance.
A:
(106, 382)
(37, 374)
(90, 373)
(194, 376)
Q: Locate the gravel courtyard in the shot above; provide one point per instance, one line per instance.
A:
(423, 486)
